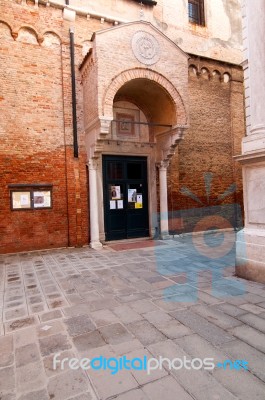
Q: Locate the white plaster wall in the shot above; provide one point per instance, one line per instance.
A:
(221, 38)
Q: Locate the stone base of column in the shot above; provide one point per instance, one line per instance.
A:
(250, 251)
(165, 236)
(254, 142)
(96, 245)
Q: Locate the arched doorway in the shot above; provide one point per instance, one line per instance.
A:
(134, 108)
(143, 115)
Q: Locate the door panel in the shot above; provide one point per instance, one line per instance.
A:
(125, 197)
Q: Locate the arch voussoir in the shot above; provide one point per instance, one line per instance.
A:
(143, 73)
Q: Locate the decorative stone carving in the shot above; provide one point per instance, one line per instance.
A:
(92, 164)
(167, 143)
(145, 47)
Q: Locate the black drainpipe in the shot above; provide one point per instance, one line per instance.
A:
(72, 53)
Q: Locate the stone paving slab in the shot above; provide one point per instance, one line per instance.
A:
(6, 351)
(254, 320)
(251, 336)
(195, 382)
(69, 384)
(217, 317)
(82, 303)
(200, 325)
(145, 332)
(247, 387)
(167, 389)
(196, 346)
(229, 309)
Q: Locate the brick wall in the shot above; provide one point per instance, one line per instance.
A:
(36, 124)
(36, 131)
(214, 137)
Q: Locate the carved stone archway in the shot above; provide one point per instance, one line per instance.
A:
(153, 76)
(157, 83)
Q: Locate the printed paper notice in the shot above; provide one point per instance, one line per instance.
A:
(24, 200)
(132, 195)
(112, 204)
(42, 199)
(115, 192)
(140, 198)
(120, 203)
(139, 201)
(20, 200)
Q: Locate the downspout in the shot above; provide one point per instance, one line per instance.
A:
(72, 53)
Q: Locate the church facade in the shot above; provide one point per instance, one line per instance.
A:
(120, 119)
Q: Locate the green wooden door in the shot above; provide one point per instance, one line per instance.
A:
(125, 197)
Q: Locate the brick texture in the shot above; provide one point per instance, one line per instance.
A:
(36, 131)
(214, 137)
(36, 144)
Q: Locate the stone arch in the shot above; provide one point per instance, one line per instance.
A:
(193, 70)
(144, 109)
(226, 77)
(216, 75)
(27, 34)
(51, 39)
(148, 74)
(31, 3)
(205, 73)
(5, 30)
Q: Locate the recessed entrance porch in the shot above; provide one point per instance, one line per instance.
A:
(134, 108)
(142, 136)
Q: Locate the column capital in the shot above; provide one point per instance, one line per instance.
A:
(163, 165)
(92, 164)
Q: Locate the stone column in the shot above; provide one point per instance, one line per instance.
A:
(250, 260)
(255, 57)
(93, 200)
(163, 199)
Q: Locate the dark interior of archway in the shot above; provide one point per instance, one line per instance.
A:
(151, 98)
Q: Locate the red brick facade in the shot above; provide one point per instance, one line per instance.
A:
(36, 144)
(214, 137)
(36, 131)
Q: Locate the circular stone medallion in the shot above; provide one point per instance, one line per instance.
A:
(145, 47)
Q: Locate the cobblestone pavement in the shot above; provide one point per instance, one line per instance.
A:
(164, 300)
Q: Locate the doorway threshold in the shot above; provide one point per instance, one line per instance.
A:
(131, 244)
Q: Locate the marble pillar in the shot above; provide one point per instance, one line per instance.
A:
(93, 203)
(163, 199)
(250, 257)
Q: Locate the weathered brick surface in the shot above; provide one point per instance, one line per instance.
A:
(36, 119)
(214, 137)
(36, 131)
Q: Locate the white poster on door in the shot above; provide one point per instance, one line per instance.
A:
(115, 192)
(132, 196)
(112, 204)
(120, 204)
